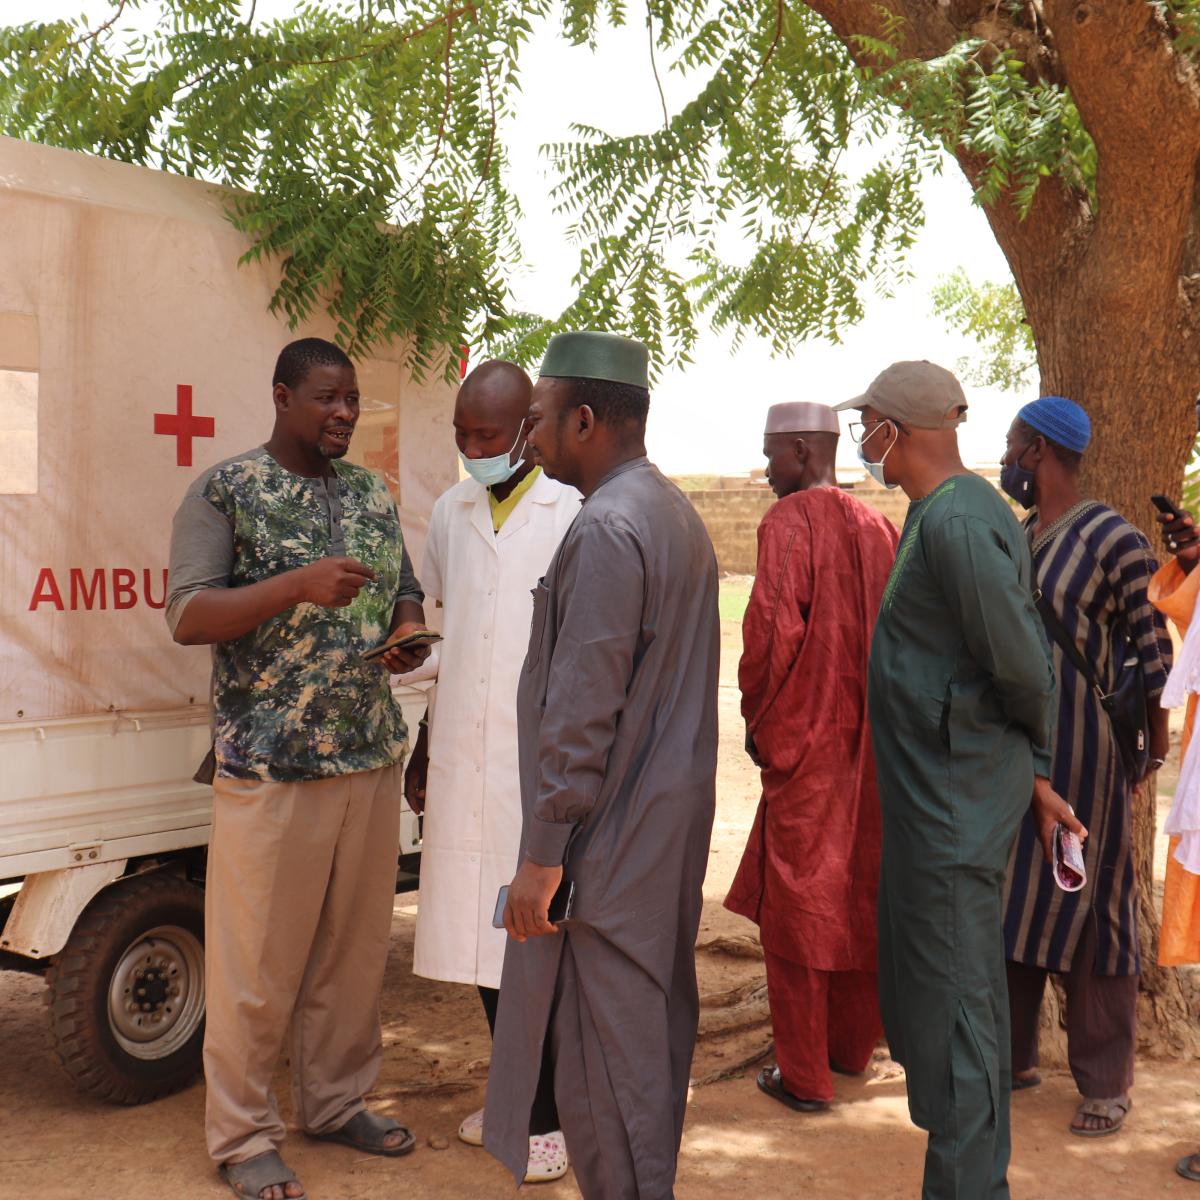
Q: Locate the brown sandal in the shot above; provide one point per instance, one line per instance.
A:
(1113, 1111)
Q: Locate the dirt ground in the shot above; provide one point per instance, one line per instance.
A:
(738, 1144)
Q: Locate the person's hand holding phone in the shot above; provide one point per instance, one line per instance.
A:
(398, 659)
(1179, 532)
(526, 914)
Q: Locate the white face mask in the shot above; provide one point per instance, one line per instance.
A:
(875, 469)
(498, 469)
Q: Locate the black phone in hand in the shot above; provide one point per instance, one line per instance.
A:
(1168, 507)
(562, 904)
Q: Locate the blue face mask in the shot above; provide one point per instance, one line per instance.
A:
(498, 469)
(1017, 481)
(875, 469)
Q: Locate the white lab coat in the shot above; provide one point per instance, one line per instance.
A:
(472, 826)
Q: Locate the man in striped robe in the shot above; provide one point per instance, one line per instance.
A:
(1093, 567)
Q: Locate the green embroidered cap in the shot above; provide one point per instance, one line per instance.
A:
(591, 355)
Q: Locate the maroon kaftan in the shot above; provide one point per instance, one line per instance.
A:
(810, 872)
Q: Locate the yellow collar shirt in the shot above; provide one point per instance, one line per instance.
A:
(503, 509)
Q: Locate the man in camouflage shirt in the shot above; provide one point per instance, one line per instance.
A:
(291, 563)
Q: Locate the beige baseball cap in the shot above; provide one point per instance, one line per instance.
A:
(920, 394)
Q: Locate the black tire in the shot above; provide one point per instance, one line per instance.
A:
(107, 958)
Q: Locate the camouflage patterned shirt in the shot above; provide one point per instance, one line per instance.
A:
(292, 700)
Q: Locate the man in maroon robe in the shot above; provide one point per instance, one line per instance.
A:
(810, 872)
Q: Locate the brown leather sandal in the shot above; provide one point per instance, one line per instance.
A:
(1114, 1111)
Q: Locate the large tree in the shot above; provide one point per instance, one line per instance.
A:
(366, 141)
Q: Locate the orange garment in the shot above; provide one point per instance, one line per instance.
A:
(1174, 593)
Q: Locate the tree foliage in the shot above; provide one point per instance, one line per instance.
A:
(993, 315)
(364, 143)
(360, 142)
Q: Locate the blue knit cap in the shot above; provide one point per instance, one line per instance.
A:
(1059, 419)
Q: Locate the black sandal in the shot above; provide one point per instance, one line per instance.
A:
(1184, 1167)
(248, 1179)
(771, 1082)
(366, 1131)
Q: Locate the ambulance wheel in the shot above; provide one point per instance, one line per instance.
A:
(126, 995)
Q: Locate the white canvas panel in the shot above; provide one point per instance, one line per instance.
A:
(154, 348)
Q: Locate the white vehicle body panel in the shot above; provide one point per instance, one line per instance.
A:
(120, 294)
(82, 796)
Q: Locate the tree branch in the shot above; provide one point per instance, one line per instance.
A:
(780, 9)
(1042, 248)
(441, 130)
(924, 30)
(448, 17)
(93, 34)
(662, 96)
(486, 169)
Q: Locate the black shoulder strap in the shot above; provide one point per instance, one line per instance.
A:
(1058, 632)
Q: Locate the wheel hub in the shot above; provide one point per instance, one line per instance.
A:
(151, 990)
(156, 995)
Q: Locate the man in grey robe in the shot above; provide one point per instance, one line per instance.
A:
(617, 711)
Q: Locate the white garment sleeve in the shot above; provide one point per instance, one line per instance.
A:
(1185, 674)
(1183, 821)
(433, 564)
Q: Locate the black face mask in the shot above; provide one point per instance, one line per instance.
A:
(1017, 481)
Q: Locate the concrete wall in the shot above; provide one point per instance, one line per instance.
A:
(732, 517)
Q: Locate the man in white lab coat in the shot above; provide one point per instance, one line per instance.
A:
(491, 538)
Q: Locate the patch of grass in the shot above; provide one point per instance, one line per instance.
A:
(733, 598)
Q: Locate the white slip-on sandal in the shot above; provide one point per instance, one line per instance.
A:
(548, 1159)
(471, 1130)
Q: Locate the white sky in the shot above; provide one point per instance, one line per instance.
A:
(709, 416)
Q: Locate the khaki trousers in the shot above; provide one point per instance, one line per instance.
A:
(298, 913)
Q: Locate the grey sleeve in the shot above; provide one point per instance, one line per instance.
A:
(407, 587)
(201, 554)
(602, 582)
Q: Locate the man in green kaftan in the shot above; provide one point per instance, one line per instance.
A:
(961, 698)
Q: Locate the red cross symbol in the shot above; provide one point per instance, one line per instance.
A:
(182, 426)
